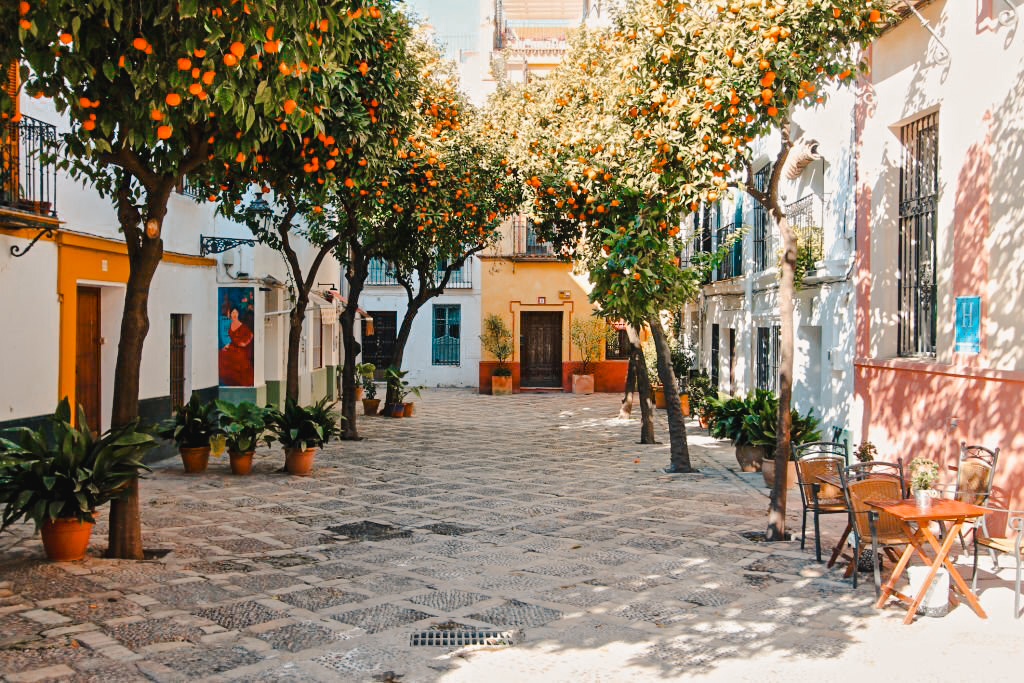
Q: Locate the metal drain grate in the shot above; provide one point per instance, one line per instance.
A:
(462, 638)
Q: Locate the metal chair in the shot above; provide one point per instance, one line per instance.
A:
(877, 469)
(812, 461)
(976, 470)
(884, 530)
(1009, 544)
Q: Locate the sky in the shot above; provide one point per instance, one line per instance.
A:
(455, 21)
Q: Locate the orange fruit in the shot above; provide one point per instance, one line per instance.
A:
(184, 63)
(289, 106)
(271, 46)
(200, 53)
(195, 88)
(23, 8)
(140, 44)
(349, 182)
(240, 157)
(270, 32)
(156, 115)
(238, 49)
(163, 132)
(66, 38)
(230, 59)
(173, 99)
(208, 77)
(89, 125)
(324, 25)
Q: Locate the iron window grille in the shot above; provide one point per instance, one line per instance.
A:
(617, 346)
(806, 218)
(919, 190)
(768, 339)
(381, 274)
(318, 338)
(715, 350)
(535, 246)
(447, 334)
(762, 225)
(731, 264)
(461, 278)
(28, 172)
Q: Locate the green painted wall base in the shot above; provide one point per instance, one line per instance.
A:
(332, 382)
(257, 395)
(274, 393)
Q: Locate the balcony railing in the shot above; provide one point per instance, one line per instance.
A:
(28, 174)
(731, 264)
(381, 274)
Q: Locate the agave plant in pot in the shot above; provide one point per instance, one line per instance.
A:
(370, 401)
(243, 425)
(302, 431)
(195, 429)
(59, 476)
(761, 430)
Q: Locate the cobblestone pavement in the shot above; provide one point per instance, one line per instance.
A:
(535, 520)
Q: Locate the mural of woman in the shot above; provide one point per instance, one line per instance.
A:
(236, 355)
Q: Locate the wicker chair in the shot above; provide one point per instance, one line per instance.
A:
(821, 498)
(883, 529)
(877, 469)
(1011, 544)
(976, 470)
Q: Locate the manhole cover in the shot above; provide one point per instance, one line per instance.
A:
(369, 531)
(448, 529)
(457, 638)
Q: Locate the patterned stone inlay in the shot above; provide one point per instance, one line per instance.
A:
(139, 634)
(198, 662)
(189, 593)
(320, 598)
(239, 615)
(360, 659)
(300, 636)
(445, 601)
(516, 613)
(380, 617)
(369, 531)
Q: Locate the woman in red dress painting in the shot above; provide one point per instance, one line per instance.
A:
(236, 358)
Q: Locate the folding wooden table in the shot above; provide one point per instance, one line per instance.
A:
(953, 512)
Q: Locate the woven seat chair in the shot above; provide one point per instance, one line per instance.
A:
(882, 529)
(975, 472)
(820, 498)
(1007, 545)
(877, 469)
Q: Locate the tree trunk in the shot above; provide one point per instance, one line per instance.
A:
(356, 276)
(626, 407)
(679, 452)
(777, 509)
(125, 535)
(295, 320)
(398, 353)
(643, 386)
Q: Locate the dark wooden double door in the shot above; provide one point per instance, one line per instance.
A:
(87, 355)
(540, 345)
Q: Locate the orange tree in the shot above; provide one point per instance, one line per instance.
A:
(450, 193)
(716, 75)
(155, 92)
(309, 186)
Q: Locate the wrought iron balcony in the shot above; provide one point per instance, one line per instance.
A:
(731, 264)
(28, 173)
(382, 274)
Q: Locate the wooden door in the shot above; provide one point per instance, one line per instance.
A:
(87, 355)
(378, 347)
(541, 350)
(178, 343)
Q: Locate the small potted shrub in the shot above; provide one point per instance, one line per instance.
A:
(58, 477)
(865, 452)
(682, 361)
(401, 389)
(243, 426)
(701, 394)
(194, 429)
(923, 475)
(497, 341)
(370, 401)
(762, 433)
(302, 431)
(589, 335)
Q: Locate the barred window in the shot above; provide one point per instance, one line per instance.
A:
(447, 334)
(919, 189)
(318, 338)
(768, 357)
(617, 347)
(762, 226)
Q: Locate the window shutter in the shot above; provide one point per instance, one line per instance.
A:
(10, 84)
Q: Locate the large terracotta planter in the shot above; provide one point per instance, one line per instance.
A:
(684, 401)
(768, 471)
(66, 539)
(370, 406)
(359, 393)
(241, 463)
(395, 410)
(582, 384)
(501, 386)
(750, 458)
(705, 422)
(409, 410)
(299, 461)
(659, 397)
(195, 460)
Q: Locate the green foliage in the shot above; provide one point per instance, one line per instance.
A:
(682, 361)
(590, 335)
(497, 341)
(365, 372)
(866, 452)
(397, 381)
(651, 361)
(64, 471)
(753, 420)
(194, 425)
(243, 425)
(924, 473)
(701, 394)
(303, 427)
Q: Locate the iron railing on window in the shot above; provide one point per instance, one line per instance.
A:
(763, 242)
(731, 264)
(28, 173)
(806, 218)
(381, 274)
(190, 189)
(447, 334)
(919, 189)
(768, 339)
(460, 279)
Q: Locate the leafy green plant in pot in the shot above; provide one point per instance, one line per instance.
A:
(243, 425)
(302, 431)
(733, 417)
(682, 361)
(589, 335)
(195, 428)
(371, 403)
(923, 475)
(402, 389)
(497, 341)
(58, 477)
(761, 430)
(701, 395)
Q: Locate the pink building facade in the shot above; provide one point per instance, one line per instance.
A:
(940, 248)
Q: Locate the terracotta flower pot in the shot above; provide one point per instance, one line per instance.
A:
(370, 406)
(659, 397)
(768, 472)
(65, 539)
(582, 384)
(750, 458)
(705, 422)
(359, 393)
(195, 459)
(684, 401)
(501, 386)
(395, 410)
(241, 463)
(409, 409)
(299, 461)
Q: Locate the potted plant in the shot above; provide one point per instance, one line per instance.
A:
(58, 477)
(923, 475)
(243, 426)
(682, 361)
(762, 432)
(701, 394)
(497, 341)
(396, 380)
(865, 452)
(730, 423)
(589, 336)
(370, 401)
(302, 431)
(193, 428)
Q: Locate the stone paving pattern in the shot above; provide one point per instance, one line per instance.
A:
(537, 514)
